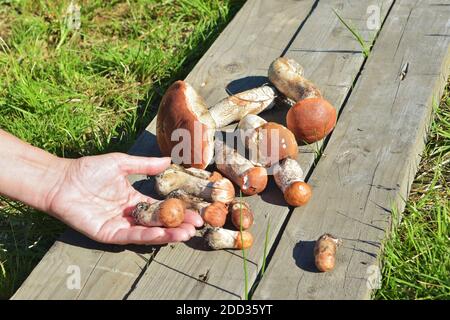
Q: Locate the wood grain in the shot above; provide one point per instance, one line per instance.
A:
(369, 162)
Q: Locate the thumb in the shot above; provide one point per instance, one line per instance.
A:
(144, 165)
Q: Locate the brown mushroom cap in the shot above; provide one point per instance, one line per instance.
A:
(171, 212)
(244, 240)
(275, 143)
(215, 214)
(253, 181)
(182, 108)
(239, 208)
(298, 193)
(311, 119)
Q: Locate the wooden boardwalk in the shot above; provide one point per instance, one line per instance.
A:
(365, 170)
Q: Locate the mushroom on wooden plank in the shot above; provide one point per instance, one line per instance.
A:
(288, 176)
(219, 238)
(251, 179)
(241, 215)
(312, 117)
(268, 142)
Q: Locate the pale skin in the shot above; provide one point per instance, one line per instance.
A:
(90, 194)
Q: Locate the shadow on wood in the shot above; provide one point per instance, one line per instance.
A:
(303, 254)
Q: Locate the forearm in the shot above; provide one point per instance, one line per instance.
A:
(27, 173)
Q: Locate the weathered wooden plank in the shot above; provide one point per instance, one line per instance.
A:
(332, 59)
(110, 272)
(370, 160)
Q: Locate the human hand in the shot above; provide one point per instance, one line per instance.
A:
(94, 197)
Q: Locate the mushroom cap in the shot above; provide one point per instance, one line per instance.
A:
(247, 215)
(243, 240)
(297, 193)
(171, 212)
(253, 181)
(222, 190)
(311, 119)
(275, 143)
(182, 108)
(215, 214)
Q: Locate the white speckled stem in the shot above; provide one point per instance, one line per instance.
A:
(287, 172)
(234, 108)
(220, 238)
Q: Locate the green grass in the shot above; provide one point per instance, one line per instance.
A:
(416, 261)
(88, 91)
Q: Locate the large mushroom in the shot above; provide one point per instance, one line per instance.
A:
(184, 115)
(312, 117)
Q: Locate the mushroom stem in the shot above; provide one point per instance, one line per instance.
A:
(213, 214)
(219, 238)
(288, 176)
(168, 213)
(287, 76)
(250, 178)
(234, 108)
(241, 215)
(200, 183)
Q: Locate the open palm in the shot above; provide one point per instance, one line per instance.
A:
(95, 198)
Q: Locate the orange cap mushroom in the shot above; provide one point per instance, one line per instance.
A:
(168, 213)
(311, 119)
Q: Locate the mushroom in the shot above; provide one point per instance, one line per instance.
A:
(183, 114)
(325, 252)
(241, 215)
(168, 213)
(209, 186)
(287, 76)
(219, 238)
(269, 142)
(311, 119)
(251, 179)
(234, 108)
(213, 214)
(288, 176)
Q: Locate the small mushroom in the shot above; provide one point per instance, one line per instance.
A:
(288, 176)
(241, 214)
(213, 214)
(219, 238)
(269, 142)
(251, 179)
(209, 186)
(168, 213)
(311, 119)
(325, 252)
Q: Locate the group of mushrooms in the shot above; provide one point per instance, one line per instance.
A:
(189, 186)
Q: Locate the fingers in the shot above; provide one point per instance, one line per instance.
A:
(153, 235)
(144, 165)
(193, 218)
